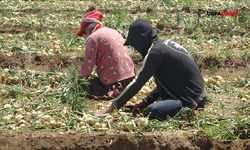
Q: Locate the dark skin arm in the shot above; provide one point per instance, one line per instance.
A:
(138, 104)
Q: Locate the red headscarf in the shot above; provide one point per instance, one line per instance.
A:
(89, 19)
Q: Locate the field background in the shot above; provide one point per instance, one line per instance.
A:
(40, 54)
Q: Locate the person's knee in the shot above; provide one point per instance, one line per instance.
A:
(150, 108)
(152, 112)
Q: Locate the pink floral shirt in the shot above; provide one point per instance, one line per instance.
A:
(105, 50)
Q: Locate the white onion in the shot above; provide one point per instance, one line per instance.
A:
(142, 121)
(130, 125)
(47, 118)
(18, 117)
(7, 106)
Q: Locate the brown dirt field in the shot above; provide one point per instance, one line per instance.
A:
(115, 141)
(41, 140)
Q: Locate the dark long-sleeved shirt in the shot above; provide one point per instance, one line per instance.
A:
(175, 71)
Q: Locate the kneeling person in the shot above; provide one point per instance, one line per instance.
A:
(178, 77)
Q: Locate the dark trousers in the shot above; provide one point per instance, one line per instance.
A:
(169, 107)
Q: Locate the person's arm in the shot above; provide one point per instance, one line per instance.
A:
(151, 64)
(89, 59)
(106, 110)
(147, 100)
(151, 97)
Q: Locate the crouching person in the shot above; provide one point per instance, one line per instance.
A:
(177, 76)
(106, 51)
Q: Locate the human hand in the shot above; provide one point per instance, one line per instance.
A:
(106, 110)
(138, 104)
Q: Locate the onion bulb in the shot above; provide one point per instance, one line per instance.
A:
(133, 99)
(7, 106)
(130, 125)
(19, 117)
(142, 121)
(47, 118)
(52, 123)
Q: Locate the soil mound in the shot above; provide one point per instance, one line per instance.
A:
(119, 141)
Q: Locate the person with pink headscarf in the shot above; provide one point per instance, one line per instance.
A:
(106, 51)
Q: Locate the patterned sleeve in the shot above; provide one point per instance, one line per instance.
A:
(89, 58)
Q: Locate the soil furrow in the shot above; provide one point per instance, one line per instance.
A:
(134, 10)
(52, 63)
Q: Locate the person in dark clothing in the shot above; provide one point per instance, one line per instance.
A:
(178, 78)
